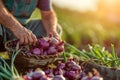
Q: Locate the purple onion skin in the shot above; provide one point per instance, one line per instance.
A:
(60, 48)
(54, 41)
(37, 75)
(57, 72)
(59, 77)
(45, 53)
(48, 71)
(76, 67)
(69, 64)
(61, 43)
(50, 35)
(95, 78)
(65, 73)
(43, 43)
(27, 77)
(44, 78)
(71, 75)
(52, 50)
(82, 74)
(42, 51)
(36, 51)
(61, 66)
(15, 42)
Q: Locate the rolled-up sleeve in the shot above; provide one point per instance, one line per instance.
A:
(45, 5)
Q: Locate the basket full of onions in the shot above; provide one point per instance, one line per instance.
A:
(46, 50)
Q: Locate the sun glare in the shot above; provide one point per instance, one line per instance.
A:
(88, 5)
(80, 5)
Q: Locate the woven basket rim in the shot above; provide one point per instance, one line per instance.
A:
(10, 50)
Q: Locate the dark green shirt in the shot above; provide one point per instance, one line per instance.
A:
(22, 9)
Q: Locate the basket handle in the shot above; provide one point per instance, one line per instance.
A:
(17, 46)
(9, 43)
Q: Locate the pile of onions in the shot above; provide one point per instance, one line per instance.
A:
(44, 46)
(63, 71)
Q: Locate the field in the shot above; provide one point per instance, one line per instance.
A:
(81, 29)
(90, 48)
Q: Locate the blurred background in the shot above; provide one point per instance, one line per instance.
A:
(89, 22)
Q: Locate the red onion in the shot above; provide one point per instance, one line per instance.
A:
(27, 77)
(54, 41)
(44, 46)
(43, 43)
(15, 42)
(60, 43)
(70, 71)
(44, 78)
(50, 75)
(47, 71)
(82, 74)
(69, 64)
(45, 53)
(95, 78)
(72, 75)
(50, 34)
(52, 50)
(61, 65)
(36, 51)
(59, 77)
(57, 72)
(37, 75)
(76, 67)
(60, 48)
(66, 73)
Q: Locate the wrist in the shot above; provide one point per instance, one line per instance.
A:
(16, 27)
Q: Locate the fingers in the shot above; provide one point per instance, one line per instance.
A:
(31, 38)
(56, 35)
(21, 40)
(28, 38)
(34, 39)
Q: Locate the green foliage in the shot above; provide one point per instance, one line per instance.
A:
(8, 72)
(81, 29)
(96, 54)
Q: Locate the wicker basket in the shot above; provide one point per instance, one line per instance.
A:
(24, 60)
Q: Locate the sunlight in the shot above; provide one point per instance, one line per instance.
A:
(88, 5)
(110, 10)
(79, 5)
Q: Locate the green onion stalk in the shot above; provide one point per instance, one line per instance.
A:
(9, 72)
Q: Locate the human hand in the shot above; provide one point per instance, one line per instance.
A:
(25, 36)
(55, 35)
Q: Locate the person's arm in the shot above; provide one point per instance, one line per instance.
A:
(8, 20)
(50, 23)
(49, 18)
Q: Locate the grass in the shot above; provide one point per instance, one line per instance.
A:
(95, 54)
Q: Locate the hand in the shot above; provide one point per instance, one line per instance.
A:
(25, 36)
(56, 35)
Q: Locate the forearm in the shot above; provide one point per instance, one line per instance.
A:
(49, 21)
(7, 19)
